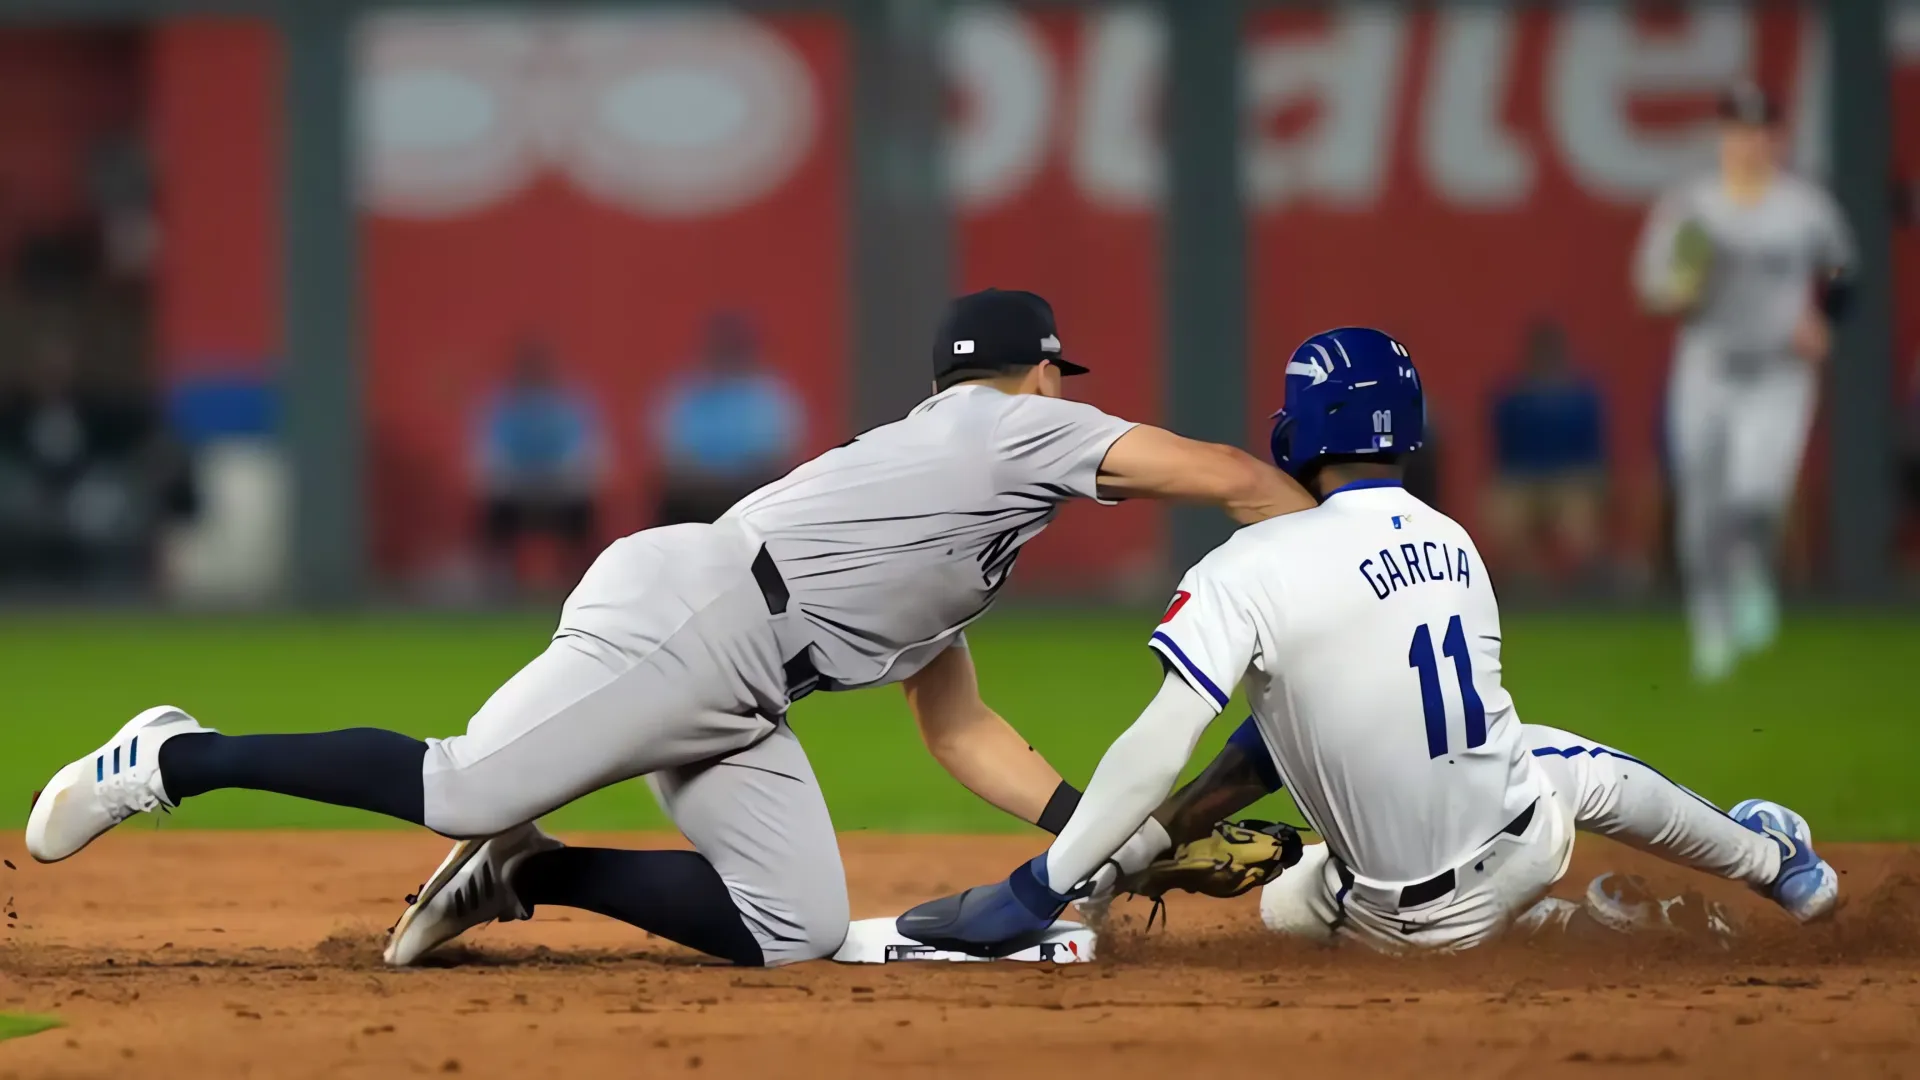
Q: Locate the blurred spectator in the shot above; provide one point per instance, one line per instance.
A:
(726, 428)
(1545, 507)
(120, 184)
(541, 464)
(86, 477)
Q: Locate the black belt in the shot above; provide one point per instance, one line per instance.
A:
(803, 677)
(1440, 885)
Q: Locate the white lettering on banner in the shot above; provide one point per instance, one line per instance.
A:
(1352, 73)
(1600, 60)
(666, 113)
(682, 113)
(678, 113)
(442, 120)
(1117, 153)
(1473, 160)
(1005, 78)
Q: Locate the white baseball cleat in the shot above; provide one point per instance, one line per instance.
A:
(1807, 885)
(470, 888)
(106, 787)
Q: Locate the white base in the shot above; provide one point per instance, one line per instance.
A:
(875, 941)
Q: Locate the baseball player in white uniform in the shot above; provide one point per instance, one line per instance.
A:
(678, 654)
(1367, 637)
(1755, 262)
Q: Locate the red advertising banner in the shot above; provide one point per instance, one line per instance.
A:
(565, 213)
(604, 186)
(214, 130)
(1455, 177)
(1056, 130)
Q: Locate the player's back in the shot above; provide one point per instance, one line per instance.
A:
(1377, 680)
(893, 542)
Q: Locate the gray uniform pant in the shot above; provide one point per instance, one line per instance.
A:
(1736, 435)
(667, 664)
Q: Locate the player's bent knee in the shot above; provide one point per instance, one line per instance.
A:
(793, 928)
(816, 941)
(1295, 903)
(824, 925)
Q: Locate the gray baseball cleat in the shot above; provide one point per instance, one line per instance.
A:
(472, 886)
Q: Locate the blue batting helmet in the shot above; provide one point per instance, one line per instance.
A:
(1349, 391)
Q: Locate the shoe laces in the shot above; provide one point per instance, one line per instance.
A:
(130, 792)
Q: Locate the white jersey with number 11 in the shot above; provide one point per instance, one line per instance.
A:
(1367, 637)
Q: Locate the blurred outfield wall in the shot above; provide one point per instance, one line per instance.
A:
(605, 183)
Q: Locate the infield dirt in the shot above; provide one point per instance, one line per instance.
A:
(205, 954)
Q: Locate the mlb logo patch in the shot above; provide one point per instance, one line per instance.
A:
(1383, 442)
(1400, 521)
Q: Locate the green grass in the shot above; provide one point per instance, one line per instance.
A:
(15, 1025)
(1826, 723)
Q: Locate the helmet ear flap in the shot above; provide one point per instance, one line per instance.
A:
(1280, 444)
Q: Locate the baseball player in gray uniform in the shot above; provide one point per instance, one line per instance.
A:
(1755, 262)
(678, 654)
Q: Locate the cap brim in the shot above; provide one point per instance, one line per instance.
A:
(1067, 367)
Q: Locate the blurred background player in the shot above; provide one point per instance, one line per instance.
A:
(1755, 263)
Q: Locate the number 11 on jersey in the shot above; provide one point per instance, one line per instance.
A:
(1420, 658)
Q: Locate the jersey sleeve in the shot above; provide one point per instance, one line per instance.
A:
(1053, 446)
(1208, 635)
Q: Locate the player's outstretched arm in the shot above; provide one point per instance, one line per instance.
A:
(1133, 776)
(973, 743)
(1154, 463)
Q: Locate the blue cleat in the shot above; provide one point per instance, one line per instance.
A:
(1807, 887)
(989, 920)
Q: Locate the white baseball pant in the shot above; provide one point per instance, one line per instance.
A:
(1737, 430)
(1584, 785)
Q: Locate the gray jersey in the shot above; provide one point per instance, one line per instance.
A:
(892, 543)
(1765, 257)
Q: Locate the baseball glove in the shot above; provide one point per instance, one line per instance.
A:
(1234, 857)
(1692, 261)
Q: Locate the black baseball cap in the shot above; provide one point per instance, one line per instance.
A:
(1748, 103)
(994, 331)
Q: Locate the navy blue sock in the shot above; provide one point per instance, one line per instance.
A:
(365, 768)
(677, 895)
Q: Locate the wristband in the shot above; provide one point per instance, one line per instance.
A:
(1060, 808)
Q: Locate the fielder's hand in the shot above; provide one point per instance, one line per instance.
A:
(1812, 338)
(1235, 857)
